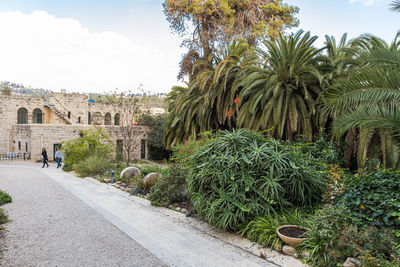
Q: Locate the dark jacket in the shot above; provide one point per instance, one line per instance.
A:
(44, 155)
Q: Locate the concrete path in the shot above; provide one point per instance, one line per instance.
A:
(51, 227)
(162, 232)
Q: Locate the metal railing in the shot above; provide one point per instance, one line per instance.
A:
(15, 156)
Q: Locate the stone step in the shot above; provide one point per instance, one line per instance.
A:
(57, 112)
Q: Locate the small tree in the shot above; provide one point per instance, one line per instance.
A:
(6, 90)
(126, 133)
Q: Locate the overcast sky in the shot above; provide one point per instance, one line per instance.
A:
(100, 45)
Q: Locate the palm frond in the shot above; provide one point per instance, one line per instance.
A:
(395, 6)
(377, 116)
(365, 86)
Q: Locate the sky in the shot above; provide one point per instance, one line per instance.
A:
(101, 45)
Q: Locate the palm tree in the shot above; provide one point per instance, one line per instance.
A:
(217, 83)
(281, 93)
(336, 61)
(205, 103)
(338, 58)
(180, 108)
(368, 99)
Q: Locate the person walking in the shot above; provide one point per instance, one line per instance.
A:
(45, 158)
(58, 157)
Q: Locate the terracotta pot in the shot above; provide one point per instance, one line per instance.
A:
(291, 241)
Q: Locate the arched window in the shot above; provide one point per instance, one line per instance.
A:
(89, 118)
(22, 116)
(116, 119)
(37, 116)
(97, 118)
(107, 119)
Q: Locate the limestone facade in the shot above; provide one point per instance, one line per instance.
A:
(28, 123)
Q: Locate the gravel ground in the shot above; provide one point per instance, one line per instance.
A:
(51, 227)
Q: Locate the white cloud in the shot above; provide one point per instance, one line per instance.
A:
(41, 50)
(368, 2)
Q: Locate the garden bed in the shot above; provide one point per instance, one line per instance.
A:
(245, 183)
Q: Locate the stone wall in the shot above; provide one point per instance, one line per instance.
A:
(125, 112)
(16, 137)
(138, 134)
(21, 138)
(9, 106)
(74, 105)
(37, 136)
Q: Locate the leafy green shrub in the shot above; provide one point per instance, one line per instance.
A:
(242, 175)
(170, 189)
(3, 216)
(334, 236)
(263, 230)
(66, 168)
(92, 143)
(319, 149)
(91, 166)
(371, 244)
(4, 198)
(373, 198)
(326, 227)
(182, 152)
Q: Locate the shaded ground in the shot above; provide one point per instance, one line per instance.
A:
(52, 227)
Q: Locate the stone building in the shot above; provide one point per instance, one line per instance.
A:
(29, 123)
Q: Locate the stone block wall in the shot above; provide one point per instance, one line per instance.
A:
(101, 109)
(9, 106)
(28, 137)
(74, 104)
(36, 136)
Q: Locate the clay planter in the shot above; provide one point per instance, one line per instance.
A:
(291, 241)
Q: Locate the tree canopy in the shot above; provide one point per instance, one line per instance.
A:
(6, 91)
(207, 24)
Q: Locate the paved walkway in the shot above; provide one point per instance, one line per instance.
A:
(39, 193)
(51, 227)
